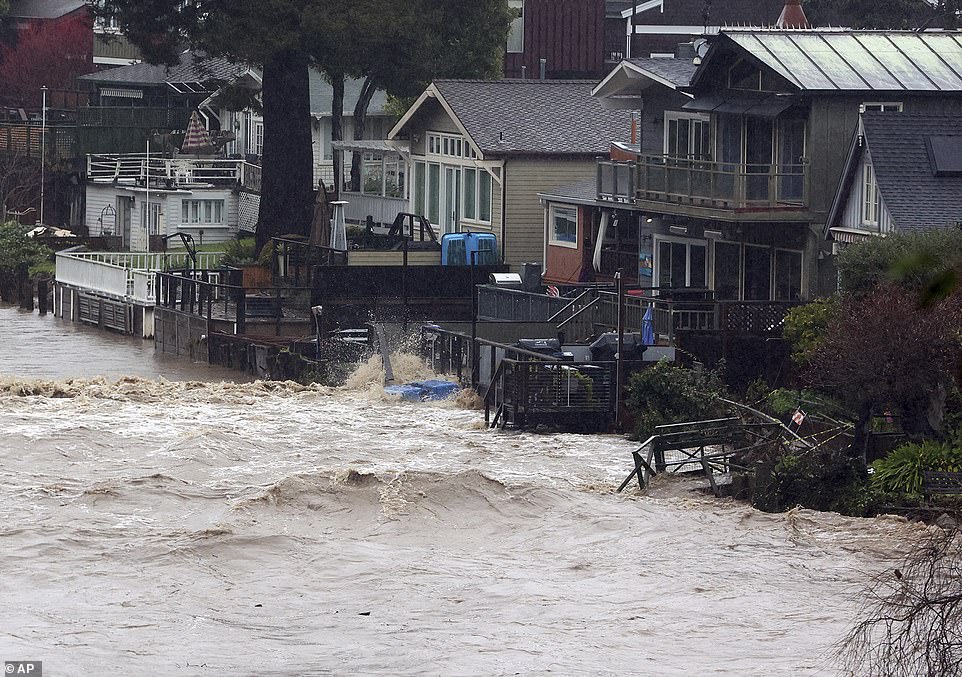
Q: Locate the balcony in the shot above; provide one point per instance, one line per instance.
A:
(704, 184)
(181, 171)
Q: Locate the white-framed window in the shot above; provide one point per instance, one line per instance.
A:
(688, 136)
(564, 227)
(202, 212)
(788, 275)
(886, 106)
(516, 31)
(258, 138)
(871, 199)
(476, 195)
(449, 145)
(681, 263)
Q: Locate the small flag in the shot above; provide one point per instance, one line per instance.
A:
(552, 290)
(798, 418)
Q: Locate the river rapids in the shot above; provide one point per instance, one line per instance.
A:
(158, 526)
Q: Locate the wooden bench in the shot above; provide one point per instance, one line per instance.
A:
(939, 482)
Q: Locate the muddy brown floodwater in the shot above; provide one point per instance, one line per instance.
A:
(197, 527)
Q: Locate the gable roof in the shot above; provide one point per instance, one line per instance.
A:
(848, 60)
(526, 117)
(43, 9)
(193, 67)
(916, 198)
(629, 79)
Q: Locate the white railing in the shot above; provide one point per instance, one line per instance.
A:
(143, 287)
(128, 275)
(382, 209)
(93, 274)
(184, 170)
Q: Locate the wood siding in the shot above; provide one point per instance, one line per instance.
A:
(524, 236)
(851, 216)
(568, 34)
(564, 264)
(99, 196)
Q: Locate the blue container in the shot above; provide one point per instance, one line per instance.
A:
(458, 249)
(423, 391)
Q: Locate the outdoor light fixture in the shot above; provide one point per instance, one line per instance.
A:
(713, 233)
(649, 220)
(679, 230)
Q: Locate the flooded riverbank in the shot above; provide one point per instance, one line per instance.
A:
(157, 527)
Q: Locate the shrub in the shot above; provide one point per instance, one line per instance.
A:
(805, 327)
(918, 260)
(818, 479)
(243, 251)
(901, 471)
(664, 394)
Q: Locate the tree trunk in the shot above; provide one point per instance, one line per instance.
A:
(360, 122)
(287, 195)
(337, 132)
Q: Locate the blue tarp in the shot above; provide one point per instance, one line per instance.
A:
(423, 391)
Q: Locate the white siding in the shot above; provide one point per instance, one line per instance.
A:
(852, 213)
(212, 232)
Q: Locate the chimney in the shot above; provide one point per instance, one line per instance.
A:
(792, 16)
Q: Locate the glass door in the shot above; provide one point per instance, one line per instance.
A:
(759, 157)
(451, 212)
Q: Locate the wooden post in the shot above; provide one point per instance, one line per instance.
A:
(42, 292)
(619, 375)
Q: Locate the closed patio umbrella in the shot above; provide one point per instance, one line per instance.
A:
(196, 140)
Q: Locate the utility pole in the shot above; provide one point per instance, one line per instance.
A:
(43, 148)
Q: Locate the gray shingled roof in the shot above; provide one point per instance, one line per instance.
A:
(43, 9)
(582, 193)
(823, 60)
(193, 67)
(534, 117)
(676, 71)
(914, 196)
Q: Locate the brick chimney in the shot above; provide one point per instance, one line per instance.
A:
(792, 16)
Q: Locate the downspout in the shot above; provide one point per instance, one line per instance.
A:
(504, 204)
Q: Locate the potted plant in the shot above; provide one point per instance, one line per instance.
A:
(256, 270)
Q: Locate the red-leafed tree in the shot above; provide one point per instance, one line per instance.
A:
(51, 54)
(887, 350)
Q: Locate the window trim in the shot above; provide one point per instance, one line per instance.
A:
(514, 4)
(871, 207)
(881, 106)
(200, 202)
(689, 242)
(705, 118)
(552, 231)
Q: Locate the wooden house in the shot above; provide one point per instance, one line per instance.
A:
(903, 173)
(479, 152)
(568, 35)
(738, 198)
(212, 196)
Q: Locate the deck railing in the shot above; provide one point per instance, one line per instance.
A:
(136, 168)
(498, 303)
(723, 185)
(668, 317)
(124, 275)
